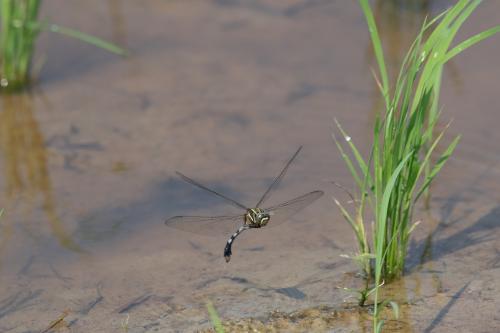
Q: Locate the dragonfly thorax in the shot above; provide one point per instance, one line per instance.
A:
(256, 218)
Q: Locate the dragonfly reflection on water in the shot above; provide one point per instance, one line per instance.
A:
(251, 217)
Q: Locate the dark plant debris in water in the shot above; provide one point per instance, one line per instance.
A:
(349, 318)
(58, 323)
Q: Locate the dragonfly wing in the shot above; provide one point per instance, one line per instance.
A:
(283, 212)
(206, 225)
(197, 184)
(278, 179)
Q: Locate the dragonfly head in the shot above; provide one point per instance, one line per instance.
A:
(257, 218)
(263, 218)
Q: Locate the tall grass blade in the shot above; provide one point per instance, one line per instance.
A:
(470, 42)
(377, 47)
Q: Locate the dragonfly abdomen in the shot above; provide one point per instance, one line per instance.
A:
(229, 243)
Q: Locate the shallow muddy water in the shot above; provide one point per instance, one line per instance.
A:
(225, 91)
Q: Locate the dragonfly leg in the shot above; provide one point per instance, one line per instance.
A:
(227, 249)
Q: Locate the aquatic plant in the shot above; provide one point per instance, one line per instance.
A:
(59, 323)
(125, 324)
(19, 30)
(399, 168)
(214, 318)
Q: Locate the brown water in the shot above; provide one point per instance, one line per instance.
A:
(225, 91)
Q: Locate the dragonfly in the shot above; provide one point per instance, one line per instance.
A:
(250, 218)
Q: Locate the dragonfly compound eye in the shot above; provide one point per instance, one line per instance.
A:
(264, 219)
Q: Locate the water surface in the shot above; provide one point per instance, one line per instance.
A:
(225, 91)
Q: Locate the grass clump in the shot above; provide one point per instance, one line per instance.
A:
(19, 29)
(399, 169)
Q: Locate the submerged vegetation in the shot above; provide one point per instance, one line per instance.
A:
(19, 30)
(399, 169)
(26, 170)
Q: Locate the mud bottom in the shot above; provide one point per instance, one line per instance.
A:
(349, 318)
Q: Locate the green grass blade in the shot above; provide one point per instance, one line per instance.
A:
(358, 229)
(395, 308)
(437, 44)
(438, 166)
(379, 326)
(382, 217)
(434, 20)
(442, 27)
(470, 42)
(377, 47)
(348, 161)
(427, 158)
(359, 159)
(381, 226)
(346, 215)
(214, 317)
(86, 38)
